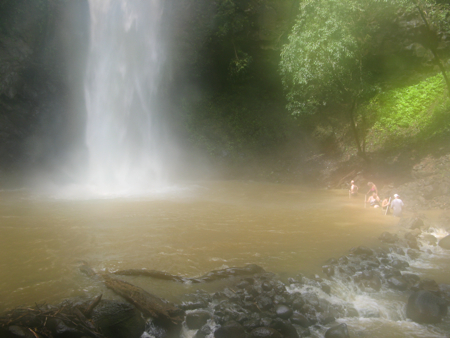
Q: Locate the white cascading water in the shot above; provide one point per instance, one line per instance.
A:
(124, 134)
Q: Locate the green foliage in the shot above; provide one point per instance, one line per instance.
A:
(410, 111)
(234, 20)
(233, 126)
(324, 59)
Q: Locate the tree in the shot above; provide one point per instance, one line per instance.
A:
(323, 62)
(435, 16)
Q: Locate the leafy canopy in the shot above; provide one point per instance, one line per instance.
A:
(324, 59)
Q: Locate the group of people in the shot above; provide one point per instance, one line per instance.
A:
(374, 201)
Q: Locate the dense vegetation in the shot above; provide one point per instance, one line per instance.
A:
(371, 71)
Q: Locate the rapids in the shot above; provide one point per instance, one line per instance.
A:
(195, 228)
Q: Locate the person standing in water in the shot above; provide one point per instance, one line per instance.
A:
(385, 204)
(373, 188)
(353, 189)
(374, 200)
(397, 205)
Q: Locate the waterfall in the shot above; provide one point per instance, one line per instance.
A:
(125, 134)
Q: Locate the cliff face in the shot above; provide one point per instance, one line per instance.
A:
(38, 40)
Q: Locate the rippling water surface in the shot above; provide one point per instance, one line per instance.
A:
(189, 230)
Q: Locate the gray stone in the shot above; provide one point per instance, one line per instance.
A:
(444, 243)
(340, 331)
(265, 332)
(424, 307)
(284, 312)
(387, 237)
(230, 329)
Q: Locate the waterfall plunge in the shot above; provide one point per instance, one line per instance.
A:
(125, 134)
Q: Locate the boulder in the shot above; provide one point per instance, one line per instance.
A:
(17, 332)
(387, 237)
(339, 331)
(300, 319)
(203, 332)
(444, 243)
(424, 307)
(118, 319)
(230, 329)
(362, 250)
(429, 239)
(398, 283)
(284, 312)
(265, 332)
(285, 328)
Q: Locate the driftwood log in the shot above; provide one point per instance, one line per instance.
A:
(163, 312)
(211, 276)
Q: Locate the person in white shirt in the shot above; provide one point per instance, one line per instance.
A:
(397, 205)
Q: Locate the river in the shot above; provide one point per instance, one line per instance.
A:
(188, 230)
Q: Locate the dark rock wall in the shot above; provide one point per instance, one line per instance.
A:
(39, 39)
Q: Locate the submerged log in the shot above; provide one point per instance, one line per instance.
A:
(211, 276)
(163, 312)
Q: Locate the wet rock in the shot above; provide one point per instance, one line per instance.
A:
(399, 264)
(243, 284)
(264, 302)
(285, 328)
(411, 223)
(265, 332)
(298, 303)
(266, 286)
(59, 328)
(303, 332)
(231, 329)
(118, 319)
(424, 307)
(300, 319)
(266, 321)
(325, 288)
(340, 331)
(362, 250)
(324, 320)
(444, 243)
(387, 237)
(312, 299)
(193, 305)
(279, 300)
(18, 332)
(203, 332)
(373, 283)
(429, 239)
(195, 320)
(351, 312)
(414, 254)
(251, 324)
(328, 270)
(444, 291)
(398, 283)
(411, 278)
(284, 312)
(429, 285)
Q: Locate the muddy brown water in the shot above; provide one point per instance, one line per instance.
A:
(187, 231)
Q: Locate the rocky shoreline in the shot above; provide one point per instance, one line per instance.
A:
(254, 304)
